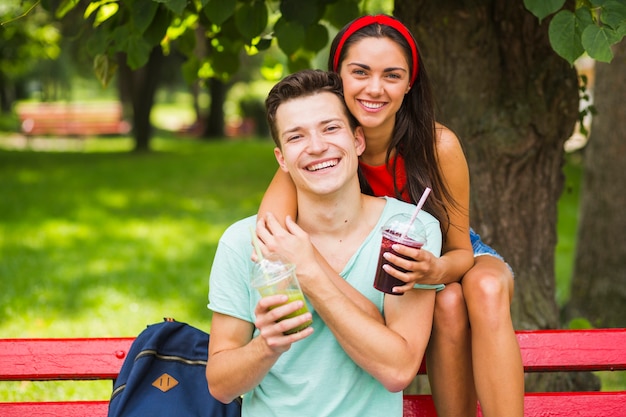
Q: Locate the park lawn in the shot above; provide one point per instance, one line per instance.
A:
(103, 243)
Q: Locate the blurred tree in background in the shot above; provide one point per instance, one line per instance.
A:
(27, 46)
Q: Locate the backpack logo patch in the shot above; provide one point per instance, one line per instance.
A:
(165, 382)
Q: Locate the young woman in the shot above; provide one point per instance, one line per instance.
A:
(473, 353)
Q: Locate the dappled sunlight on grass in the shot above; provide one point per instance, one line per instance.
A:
(102, 244)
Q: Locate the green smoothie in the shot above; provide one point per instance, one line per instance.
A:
(295, 295)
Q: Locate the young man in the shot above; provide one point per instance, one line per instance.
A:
(350, 361)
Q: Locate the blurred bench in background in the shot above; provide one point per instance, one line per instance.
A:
(72, 119)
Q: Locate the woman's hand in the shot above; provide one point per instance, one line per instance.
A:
(290, 241)
(420, 266)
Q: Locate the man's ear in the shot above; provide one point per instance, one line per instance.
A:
(280, 159)
(359, 140)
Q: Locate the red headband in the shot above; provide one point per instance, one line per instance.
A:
(381, 19)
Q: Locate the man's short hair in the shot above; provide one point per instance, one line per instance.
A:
(302, 84)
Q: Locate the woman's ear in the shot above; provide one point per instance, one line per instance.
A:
(280, 159)
(359, 140)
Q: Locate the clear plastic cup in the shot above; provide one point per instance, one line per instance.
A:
(273, 275)
(398, 229)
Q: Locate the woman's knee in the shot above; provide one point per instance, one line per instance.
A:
(489, 280)
(450, 299)
(488, 290)
(450, 308)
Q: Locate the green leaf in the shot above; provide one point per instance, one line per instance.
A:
(597, 42)
(105, 12)
(564, 36)
(92, 7)
(119, 38)
(543, 8)
(104, 68)
(142, 15)
(65, 7)
(186, 43)
(302, 12)
(342, 12)
(177, 6)
(614, 14)
(289, 35)
(137, 52)
(190, 69)
(97, 43)
(217, 11)
(251, 19)
(155, 33)
(225, 63)
(316, 37)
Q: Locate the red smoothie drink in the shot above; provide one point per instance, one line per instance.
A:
(383, 281)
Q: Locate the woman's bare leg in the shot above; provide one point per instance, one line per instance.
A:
(497, 363)
(448, 356)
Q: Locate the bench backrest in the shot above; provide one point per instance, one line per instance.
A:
(542, 351)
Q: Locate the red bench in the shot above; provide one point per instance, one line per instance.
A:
(542, 351)
(72, 119)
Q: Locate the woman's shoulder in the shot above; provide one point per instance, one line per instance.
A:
(446, 138)
(449, 146)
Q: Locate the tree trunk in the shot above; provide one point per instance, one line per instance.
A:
(124, 87)
(513, 103)
(141, 85)
(6, 100)
(214, 125)
(599, 277)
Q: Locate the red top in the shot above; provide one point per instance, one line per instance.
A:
(380, 178)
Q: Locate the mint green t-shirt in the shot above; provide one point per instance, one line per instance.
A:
(315, 377)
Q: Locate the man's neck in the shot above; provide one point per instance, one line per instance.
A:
(338, 226)
(329, 214)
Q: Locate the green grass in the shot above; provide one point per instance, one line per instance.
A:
(567, 226)
(102, 243)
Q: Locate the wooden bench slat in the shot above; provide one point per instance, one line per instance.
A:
(62, 359)
(571, 350)
(542, 351)
(55, 409)
(551, 404)
(579, 404)
(582, 350)
(72, 119)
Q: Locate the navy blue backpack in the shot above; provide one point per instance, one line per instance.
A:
(164, 376)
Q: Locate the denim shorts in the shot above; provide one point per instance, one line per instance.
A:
(480, 248)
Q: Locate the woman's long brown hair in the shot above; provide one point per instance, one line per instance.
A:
(414, 135)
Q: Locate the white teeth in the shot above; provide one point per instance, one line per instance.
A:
(371, 105)
(322, 165)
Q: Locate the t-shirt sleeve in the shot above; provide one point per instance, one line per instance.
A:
(229, 289)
